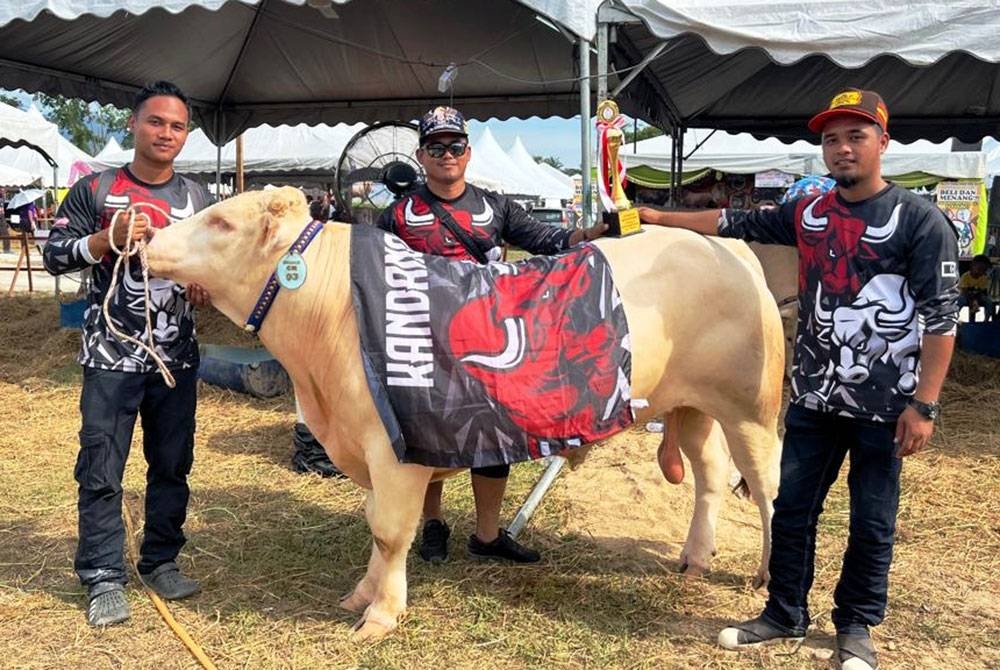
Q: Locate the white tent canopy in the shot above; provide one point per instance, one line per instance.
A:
(30, 161)
(300, 148)
(24, 129)
(10, 176)
(548, 186)
(766, 67)
(110, 148)
(249, 62)
(559, 175)
(491, 162)
(743, 154)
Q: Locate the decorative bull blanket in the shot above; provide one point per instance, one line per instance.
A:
(484, 365)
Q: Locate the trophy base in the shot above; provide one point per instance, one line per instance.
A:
(622, 223)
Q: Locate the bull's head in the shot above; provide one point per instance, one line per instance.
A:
(231, 247)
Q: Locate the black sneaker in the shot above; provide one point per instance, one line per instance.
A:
(504, 548)
(310, 456)
(754, 633)
(169, 583)
(856, 651)
(434, 541)
(106, 604)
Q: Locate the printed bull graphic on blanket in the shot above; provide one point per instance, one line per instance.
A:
(491, 364)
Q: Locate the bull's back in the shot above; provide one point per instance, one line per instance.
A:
(698, 309)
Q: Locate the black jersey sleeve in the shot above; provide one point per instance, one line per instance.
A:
(528, 233)
(933, 272)
(773, 225)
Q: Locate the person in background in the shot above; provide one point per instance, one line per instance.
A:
(865, 248)
(120, 380)
(974, 288)
(488, 220)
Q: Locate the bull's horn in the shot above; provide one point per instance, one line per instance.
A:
(882, 233)
(823, 317)
(810, 222)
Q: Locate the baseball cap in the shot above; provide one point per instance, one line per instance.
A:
(443, 120)
(853, 102)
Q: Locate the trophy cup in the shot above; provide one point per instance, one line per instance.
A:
(621, 217)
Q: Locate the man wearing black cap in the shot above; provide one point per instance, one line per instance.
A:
(873, 258)
(451, 218)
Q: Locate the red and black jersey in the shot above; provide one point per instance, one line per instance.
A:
(873, 276)
(489, 218)
(80, 216)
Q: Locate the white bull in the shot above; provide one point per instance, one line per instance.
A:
(705, 338)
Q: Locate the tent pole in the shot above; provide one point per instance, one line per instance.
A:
(585, 157)
(218, 156)
(239, 164)
(520, 519)
(602, 80)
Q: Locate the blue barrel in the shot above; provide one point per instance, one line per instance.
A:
(251, 371)
(980, 338)
(71, 313)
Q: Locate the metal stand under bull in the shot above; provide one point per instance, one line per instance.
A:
(531, 502)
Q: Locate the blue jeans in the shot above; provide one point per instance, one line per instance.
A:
(814, 448)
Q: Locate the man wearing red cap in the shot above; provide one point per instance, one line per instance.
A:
(874, 259)
(451, 218)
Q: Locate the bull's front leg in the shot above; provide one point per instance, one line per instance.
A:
(393, 511)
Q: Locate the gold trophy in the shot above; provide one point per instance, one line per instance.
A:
(623, 219)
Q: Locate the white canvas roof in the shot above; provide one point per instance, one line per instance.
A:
(110, 148)
(491, 162)
(24, 129)
(286, 61)
(30, 161)
(10, 176)
(744, 154)
(767, 67)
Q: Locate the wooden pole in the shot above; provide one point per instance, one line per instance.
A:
(239, 164)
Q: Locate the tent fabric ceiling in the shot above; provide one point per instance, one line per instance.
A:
(741, 65)
(283, 61)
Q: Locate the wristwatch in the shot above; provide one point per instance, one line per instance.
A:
(928, 410)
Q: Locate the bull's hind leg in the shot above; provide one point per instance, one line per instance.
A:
(393, 512)
(701, 441)
(756, 450)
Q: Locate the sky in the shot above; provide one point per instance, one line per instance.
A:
(541, 137)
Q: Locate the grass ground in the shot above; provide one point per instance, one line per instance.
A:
(274, 550)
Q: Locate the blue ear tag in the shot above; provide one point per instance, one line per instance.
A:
(291, 270)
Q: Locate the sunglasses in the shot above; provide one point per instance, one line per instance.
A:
(436, 150)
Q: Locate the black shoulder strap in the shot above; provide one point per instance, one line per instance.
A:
(104, 181)
(456, 230)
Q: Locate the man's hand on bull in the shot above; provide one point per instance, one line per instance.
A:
(913, 431)
(587, 234)
(197, 296)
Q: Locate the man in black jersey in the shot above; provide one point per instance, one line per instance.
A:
(866, 376)
(480, 221)
(120, 380)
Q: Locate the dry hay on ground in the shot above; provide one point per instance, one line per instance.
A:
(274, 550)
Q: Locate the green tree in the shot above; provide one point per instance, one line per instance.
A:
(644, 132)
(87, 125)
(551, 160)
(8, 99)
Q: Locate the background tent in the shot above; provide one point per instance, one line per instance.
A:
(22, 129)
(29, 160)
(920, 163)
(13, 177)
(550, 188)
(491, 162)
(766, 67)
(110, 148)
(250, 62)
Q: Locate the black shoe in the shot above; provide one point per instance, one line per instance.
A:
(169, 583)
(310, 456)
(504, 548)
(856, 651)
(434, 541)
(756, 632)
(106, 604)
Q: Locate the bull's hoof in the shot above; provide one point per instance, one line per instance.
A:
(372, 627)
(691, 571)
(355, 602)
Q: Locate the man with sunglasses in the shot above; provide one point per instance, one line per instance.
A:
(451, 218)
